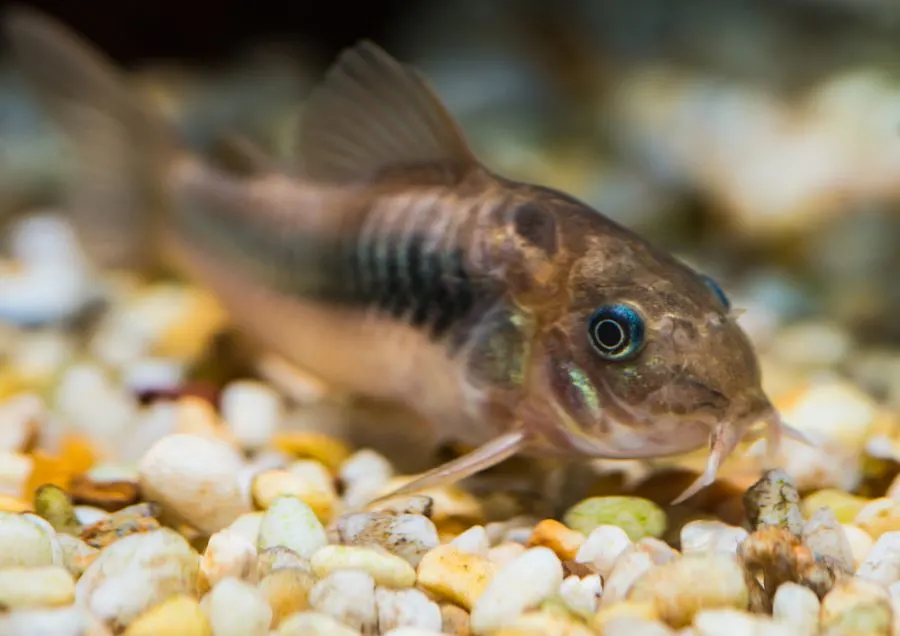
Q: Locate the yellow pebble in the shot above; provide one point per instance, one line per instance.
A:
(271, 484)
(300, 444)
(14, 504)
(178, 616)
(287, 592)
(387, 570)
(554, 535)
(455, 576)
(626, 609)
(188, 337)
(845, 505)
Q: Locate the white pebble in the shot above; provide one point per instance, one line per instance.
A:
(602, 548)
(474, 541)
(627, 569)
(23, 543)
(36, 587)
(797, 605)
(505, 552)
(313, 624)
(253, 411)
(228, 554)
(247, 525)
(406, 608)
(236, 608)
(196, 479)
(517, 586)
(882, 565)
(291, 523)
(364, 474)
(823, 534)
(385, 568)
(19, 417)
(581, 595)
(711, 536)
(349, 597)
(64, 621)
(861, 543)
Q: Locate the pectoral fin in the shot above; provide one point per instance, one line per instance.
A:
(482, 458)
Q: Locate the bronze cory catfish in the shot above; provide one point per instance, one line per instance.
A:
(390, 262)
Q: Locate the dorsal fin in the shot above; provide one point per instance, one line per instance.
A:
(372, 116)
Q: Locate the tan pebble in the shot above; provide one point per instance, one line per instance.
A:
(823, 534)
(554, 535)
(387, 570)
(406, 536)
(302, 444)
(879, 516)
(626, 609)
(450, 503)
(77, 555)
(682, 588)
(287, 592)
(628, 568)
(856, 607)
(195, 479)
(711, 536)
(454, 620)
(860, 543)
(473, 541)
(291, 523)
(882, 565)
(406, 608)
(602, 548)
(177, 616)
(404, 505)
(798, 606)
(271, 484)
(455, 576)
(348, 596)
(505, 552)
(236, 608)
(248, 525)
(35, 587)
(314, 624)
(277, 558)
(227, 554)
(519, 585)
(252, 410)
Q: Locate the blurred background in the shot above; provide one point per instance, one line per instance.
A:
(757, 139)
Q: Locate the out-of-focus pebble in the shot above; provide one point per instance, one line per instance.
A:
(364, 476)
(517, 586)
(227, 554)
(636, 516)
(879, 516)
(861, 543)
(628, 568)
(844, 504)
(406, 536)
(23, 543)
(277, 558)
(554, 535)
(406, 608)
(308, 444)
(473, 541)
(77, 555)
(797, 606)
(137, 572)
(823, 534)
(713, 622)
(603, 546)
(505, 552)
(19, 418)
(453, 575)
(196, 479)
(451, 505)
(711, 536)
(660, 552)
(613, 612)
(247, 525)
(58, 621)
(386, 569)
(348, 596)
(179, 615)
(314, 624)
(856, 606)
(307, 480)
(544, 623)
(882, 564)
(454, 620)
(35, 587)
(685, 586)
(252, 410)
(293, 524)
(89, 515)
(580, 594)
(287, 591)
(236, 608)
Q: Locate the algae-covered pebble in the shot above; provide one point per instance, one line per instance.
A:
(179, 615)
(53, 504)
(774, 501)
(35, 587)
(683, 587)
(386, 569)
(844, 504)
(855, 607)
(638, 517)
(453, 575)
(293, 524)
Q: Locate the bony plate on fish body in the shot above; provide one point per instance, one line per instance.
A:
(391, 262)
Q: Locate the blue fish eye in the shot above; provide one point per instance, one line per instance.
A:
(714, 287)
(616, 332)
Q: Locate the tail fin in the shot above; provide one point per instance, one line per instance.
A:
(120, 148)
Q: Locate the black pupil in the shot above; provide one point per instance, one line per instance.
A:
(609, 334)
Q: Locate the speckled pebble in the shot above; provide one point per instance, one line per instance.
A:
(517, 586)
(227, 554)
(278, 558)
(236, 608)
(456, 576)
(47, 586)
(196, 479)
(406, 608)
(348, 596)
(293, 524)
(287, 591)
(581, 594)
(386, 569)
(636, 516)
(603, 546)
(798, 606)
(23, 543)
(711, 536)
(314, 624)
(472, 541)
(406, 536)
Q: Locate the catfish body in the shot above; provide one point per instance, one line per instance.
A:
(390, 262)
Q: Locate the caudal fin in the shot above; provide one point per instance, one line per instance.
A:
(119, 148)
